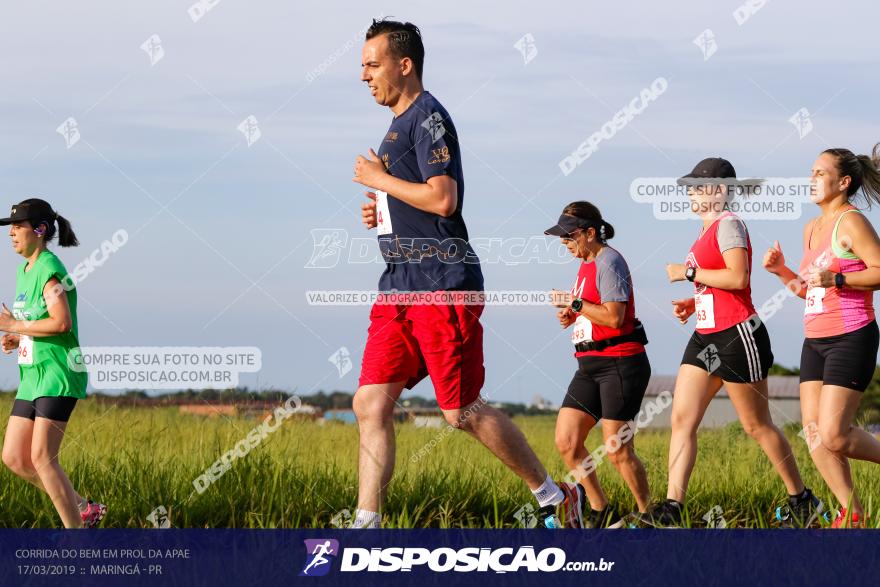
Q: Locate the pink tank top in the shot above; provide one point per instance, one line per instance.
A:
(830, 311)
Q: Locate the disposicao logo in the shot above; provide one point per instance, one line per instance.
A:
(319, 555)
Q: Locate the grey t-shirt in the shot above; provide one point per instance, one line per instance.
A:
(732, 234)
(613, 280)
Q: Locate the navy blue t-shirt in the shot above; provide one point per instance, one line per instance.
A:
(425, 251)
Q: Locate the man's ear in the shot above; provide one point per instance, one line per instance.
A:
(407, 67)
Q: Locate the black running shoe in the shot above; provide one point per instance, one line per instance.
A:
(802, 511)
(549, 518)
(605, 518)
(666, 514)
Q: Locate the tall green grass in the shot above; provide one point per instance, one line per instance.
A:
(135, 460)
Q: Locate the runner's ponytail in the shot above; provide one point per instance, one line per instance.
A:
(606, 231)
(863, 170)
(66, 237)
(870, 165)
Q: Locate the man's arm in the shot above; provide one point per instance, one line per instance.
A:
(438, 195)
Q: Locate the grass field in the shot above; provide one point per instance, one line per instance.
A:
(301, 475)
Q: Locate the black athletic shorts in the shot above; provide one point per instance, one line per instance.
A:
(609, 387)
(53, 408)
(739, 354)
(847, 360)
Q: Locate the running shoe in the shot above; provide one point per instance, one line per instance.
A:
(666, 514)
(608, 517)
(548, 518)
(573, 504)
(840, 520)
(802, 511)
(93, 514)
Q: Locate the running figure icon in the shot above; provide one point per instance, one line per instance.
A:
(319, 552)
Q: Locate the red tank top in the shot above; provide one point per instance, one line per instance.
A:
(718, 309)
(587, 287)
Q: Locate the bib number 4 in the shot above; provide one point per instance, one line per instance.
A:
(383, 214)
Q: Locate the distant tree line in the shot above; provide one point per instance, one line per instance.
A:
(869, 411)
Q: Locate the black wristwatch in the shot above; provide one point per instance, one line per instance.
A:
(576, 305)
(690, 274)
(838, 280)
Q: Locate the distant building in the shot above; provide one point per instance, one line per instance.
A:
(542, 403)
(260, 410)
(428, 421)
(211, 410)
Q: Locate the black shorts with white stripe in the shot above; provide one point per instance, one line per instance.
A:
(739, 354)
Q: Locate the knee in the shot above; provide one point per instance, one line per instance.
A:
(371, 412)
(622, 456)
(682, 423)
(459, 419)
(833, 439)
(567, 445)
(17, 463)
(40, 457)
(467, 418)
(755, 428)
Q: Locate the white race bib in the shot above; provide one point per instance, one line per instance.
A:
(25, 350)
(383, 214)
(705, 310)
(814, 300)
(583, 330)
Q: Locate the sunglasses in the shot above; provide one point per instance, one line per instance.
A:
(572, 236)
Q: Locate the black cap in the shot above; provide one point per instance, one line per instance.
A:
(31, 209)
(709, 171)
(568, 224)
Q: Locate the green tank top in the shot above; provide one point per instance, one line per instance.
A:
(43, 360)
(837, 249)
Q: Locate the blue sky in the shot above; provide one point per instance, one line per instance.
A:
(167, 134)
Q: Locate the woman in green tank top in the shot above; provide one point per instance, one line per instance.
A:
(42, 326)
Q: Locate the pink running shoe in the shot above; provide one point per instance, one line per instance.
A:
(93, 514)
(840, 520)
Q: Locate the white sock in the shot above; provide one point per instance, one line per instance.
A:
(548, 493)
(365, 519)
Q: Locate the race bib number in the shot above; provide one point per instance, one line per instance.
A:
(383, 214)
(705, 310)
(815, 295)
(25, 350)
(583, 330)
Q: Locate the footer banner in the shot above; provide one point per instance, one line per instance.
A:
(366, 557)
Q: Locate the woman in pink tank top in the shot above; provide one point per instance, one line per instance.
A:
(838, 274)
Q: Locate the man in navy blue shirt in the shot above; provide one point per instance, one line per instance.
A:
(416, 203)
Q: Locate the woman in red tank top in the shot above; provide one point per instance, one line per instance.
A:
(613, 368)
(730, 347)
(838, 275)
